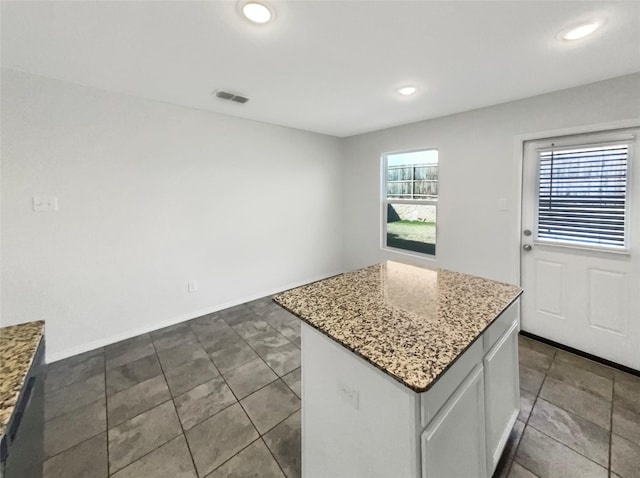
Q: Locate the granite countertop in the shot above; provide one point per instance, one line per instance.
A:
(411, 322)
(18, 345)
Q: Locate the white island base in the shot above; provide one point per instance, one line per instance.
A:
(359, 422)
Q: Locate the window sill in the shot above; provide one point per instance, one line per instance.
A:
(412, 254)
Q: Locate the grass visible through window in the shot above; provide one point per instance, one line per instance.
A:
(415, 236)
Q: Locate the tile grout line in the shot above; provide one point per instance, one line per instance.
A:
(567, 446)
(279, 378)
(47, 458)
(284, 419)
(146, 409)
(569, 411)
(289, 386)
(235, 455)
(240, 451)
(74, 409)
(238, 401)
(526, 423)
(256, 352)
(58, 389)
(149, 452)
(524, 429)
(219, 372)
(175, 409)
(106, 412)
(260, 435)
(171, 398)
(159, 404)
(573, 387)
(613, 396)
(134, 385)
(240, 365)
(273, 456)
(72, 447)
(515, 451)
(556, 440)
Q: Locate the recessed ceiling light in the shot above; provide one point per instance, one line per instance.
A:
(256, 12)
(580, 31)
(407, 90)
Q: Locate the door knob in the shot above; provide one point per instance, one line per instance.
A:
(527, 232)
(527, 247)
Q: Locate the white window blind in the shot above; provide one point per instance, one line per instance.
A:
(582, 194)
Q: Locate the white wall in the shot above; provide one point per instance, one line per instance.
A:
(479, 165)
(150, 196)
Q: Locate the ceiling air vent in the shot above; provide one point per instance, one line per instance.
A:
(225, 95)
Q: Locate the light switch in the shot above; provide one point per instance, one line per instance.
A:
(45, 203)
(502, 204)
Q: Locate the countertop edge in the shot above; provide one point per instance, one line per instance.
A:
(387, 372)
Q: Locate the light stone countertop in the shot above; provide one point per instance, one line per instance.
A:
(411, 322)
(18, 345)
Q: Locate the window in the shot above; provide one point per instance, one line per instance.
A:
(583, 195)
(410, 200)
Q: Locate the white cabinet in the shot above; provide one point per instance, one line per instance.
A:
(453, 445)
(359, 422)
(502, 394)
(442, 391)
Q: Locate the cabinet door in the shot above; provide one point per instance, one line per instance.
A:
(453, 445)
(502, 393)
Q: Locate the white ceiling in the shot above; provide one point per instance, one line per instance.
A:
(324, 66)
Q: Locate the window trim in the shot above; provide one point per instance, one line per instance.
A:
(384, 202)
(586, 141)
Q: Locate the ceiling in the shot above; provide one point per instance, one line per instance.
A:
(325, 66)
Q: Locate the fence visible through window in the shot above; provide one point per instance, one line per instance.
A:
(412, 182)
(582, 195)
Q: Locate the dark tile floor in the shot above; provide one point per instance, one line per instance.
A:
(578, 418)
(219, 396)
(214, 397)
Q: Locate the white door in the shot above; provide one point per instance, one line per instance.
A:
(580, 257)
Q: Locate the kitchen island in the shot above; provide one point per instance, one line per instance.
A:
(407, 371)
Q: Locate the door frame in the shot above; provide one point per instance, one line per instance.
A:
(519, 154)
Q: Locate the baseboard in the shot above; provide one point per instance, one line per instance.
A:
(176, 320)
(595, 358)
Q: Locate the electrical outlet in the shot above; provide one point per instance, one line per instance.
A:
(349, 395)
(192, 286)
(45, 203)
